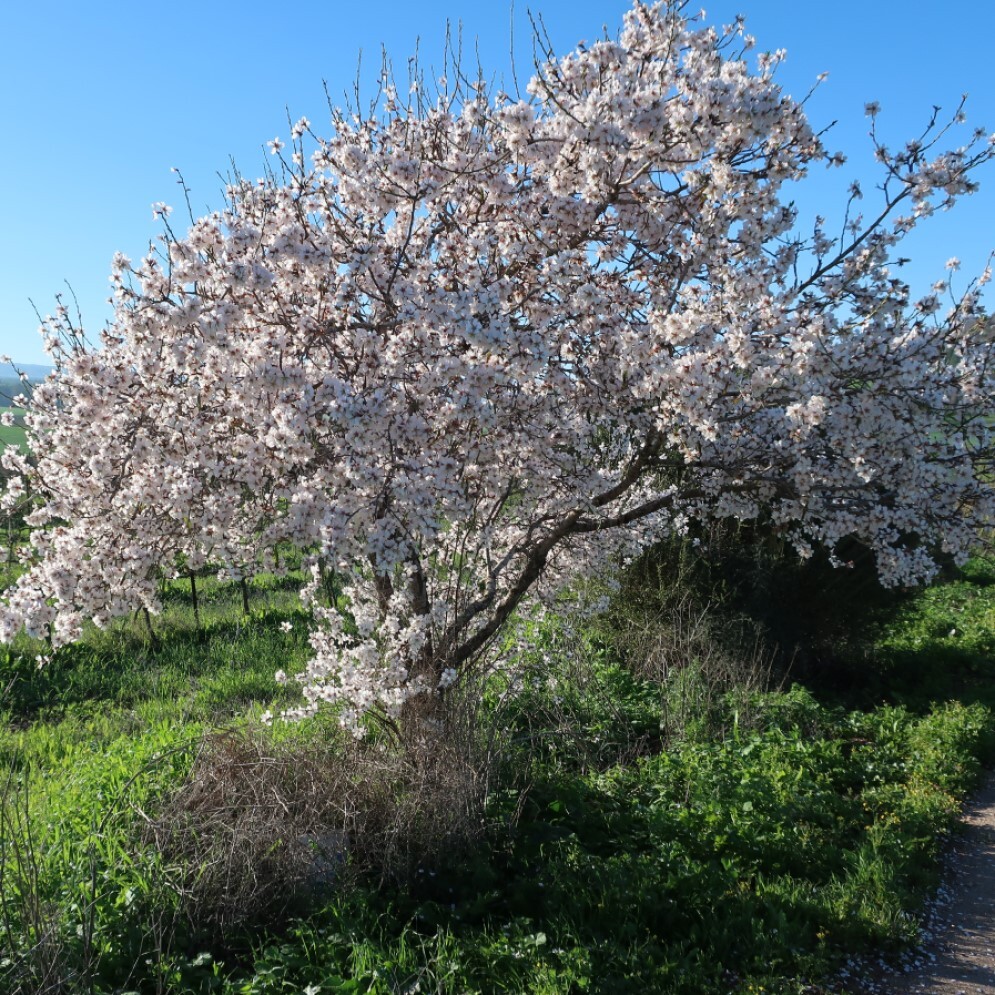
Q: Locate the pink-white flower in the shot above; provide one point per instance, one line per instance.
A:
(466, 356)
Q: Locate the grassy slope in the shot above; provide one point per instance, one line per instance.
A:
(773, 838)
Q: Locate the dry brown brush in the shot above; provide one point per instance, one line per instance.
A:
(264, 825)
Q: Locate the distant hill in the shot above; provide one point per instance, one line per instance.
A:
(11, 386)
(34, 371)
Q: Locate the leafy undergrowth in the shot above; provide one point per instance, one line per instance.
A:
(942, 644)
(772, 837)
(713, 866)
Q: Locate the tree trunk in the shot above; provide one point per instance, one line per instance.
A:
(153, 638)
(423, 715)
(196, 603)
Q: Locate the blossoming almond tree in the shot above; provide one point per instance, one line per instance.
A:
(472, 345)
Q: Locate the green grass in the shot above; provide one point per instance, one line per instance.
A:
(779, 833)
(13, 435)
(210, 671)
(939, 647)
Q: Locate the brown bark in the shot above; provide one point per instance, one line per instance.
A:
(196, 603)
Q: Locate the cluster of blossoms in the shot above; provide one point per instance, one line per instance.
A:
(469, 346)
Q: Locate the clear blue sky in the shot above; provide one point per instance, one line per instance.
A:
(99, 100)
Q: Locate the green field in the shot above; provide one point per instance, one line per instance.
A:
(585, 828)
(13, 435)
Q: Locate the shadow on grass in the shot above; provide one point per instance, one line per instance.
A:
(223, 666)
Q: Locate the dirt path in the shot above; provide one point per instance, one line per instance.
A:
(957, 956)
